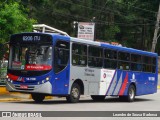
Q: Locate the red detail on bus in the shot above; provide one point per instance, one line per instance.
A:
(13, 77)
(24, 86)
(124, 85)
(37, 67)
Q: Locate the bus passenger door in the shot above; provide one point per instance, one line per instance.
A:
(61, 67)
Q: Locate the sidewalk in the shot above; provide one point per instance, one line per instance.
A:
(14, 97)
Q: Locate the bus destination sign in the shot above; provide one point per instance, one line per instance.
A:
(31, 38)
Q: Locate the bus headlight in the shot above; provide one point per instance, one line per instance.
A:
(47, 78)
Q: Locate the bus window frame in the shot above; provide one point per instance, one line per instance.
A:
(82, 44)
(69, 48)
(102, 57)
(125, 61)
(151, 64)
(136, 63)
(105, 58)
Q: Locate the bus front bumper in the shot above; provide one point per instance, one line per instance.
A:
(45, 88)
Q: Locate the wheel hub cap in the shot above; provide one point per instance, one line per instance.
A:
(75, 92)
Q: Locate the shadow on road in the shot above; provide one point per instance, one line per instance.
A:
(107, 100)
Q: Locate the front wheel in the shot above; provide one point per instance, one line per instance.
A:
(74, 94)
(38, 97)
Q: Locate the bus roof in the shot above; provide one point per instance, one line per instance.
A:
(119, 48)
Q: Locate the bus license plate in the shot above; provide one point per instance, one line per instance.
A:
(23, 86)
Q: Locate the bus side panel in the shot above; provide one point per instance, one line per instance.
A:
(89, 76)
(150, 83)
(119, 83)
(77, 73)
(61, 82)
(145, 83)
(136, 78)
(61, 79)
(105, 80)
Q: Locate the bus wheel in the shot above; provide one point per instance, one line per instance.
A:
(38, 97)
(131, 93)
(98, 97)
(75, 94)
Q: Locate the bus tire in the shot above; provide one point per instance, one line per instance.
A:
(98, 97)
(38, 97)
(74, 95)
(130, 97)
(131, 93)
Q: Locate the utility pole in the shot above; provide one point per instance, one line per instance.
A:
(155, 38)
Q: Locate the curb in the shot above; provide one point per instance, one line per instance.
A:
(3, 90)
(46, 97)
(9, 99)
(20, 99)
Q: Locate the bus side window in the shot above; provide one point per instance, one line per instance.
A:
(61, 55)
(110, 59)
(79, 54)
(147, 64)
(124, 61)
(95, 56)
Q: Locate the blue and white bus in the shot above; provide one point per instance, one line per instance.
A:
(50, 64)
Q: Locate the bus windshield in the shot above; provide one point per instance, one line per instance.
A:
(31, 57)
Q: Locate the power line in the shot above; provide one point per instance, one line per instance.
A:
(116, 12)
(131, 6)
(136, 7)
(100, 21)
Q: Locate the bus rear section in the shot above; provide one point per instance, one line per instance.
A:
(103, 70)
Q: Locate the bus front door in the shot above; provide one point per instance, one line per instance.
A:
(61, 67)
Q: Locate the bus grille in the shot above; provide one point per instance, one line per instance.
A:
(19, 88)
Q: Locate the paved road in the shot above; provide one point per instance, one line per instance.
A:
(142, 103)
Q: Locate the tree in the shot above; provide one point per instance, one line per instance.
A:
(130, 22)
(13, 19)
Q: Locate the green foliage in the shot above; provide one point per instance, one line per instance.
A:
(129, 22)
(111, 32)
(13, 20)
